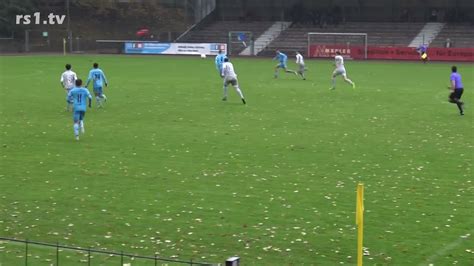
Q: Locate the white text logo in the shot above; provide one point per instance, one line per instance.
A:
(51, 19)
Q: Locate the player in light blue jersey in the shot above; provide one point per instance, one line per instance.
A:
(79, 97)
(282, 59)
(96, 75)
(220, 60)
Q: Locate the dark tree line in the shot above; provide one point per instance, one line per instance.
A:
(133, 13)
(8, 11)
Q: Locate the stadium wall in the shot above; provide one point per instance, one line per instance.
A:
(348, 10)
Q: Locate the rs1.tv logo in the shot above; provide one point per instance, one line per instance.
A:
(51, 19)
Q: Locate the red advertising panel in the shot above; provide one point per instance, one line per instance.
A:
(402, 53)
(399, 53)
(451, 54)
(354, 52)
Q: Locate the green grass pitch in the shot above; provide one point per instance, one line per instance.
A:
(167, 167)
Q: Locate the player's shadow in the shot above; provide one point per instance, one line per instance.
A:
(233, 103)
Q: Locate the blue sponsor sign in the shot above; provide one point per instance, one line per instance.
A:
(146, 48)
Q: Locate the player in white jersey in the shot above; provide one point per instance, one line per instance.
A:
(340, 70)
(68, 80)
(230, 77)
(301, 66)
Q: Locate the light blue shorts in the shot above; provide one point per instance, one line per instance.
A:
(98, 90)
(78, 115)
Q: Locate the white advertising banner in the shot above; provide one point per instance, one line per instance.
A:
(174, 48)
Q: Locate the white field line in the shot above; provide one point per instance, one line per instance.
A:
(442, 251)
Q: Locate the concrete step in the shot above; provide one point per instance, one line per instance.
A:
(427, 34)
(267, 37)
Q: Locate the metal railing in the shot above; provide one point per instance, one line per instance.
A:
(91, 251)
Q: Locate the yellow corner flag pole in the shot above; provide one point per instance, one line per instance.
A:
(64, 46)
(360, 222)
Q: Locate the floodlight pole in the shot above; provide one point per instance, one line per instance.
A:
(68, 26)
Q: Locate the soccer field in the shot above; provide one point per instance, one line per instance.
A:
(168, 167)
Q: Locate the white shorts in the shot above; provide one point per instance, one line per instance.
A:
(302, 68)
(232, 81)
(339, 71)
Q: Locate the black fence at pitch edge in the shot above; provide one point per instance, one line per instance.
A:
(90, 251)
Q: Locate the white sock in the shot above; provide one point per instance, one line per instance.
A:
(239, 92)
(76, 129)
(225, 91)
